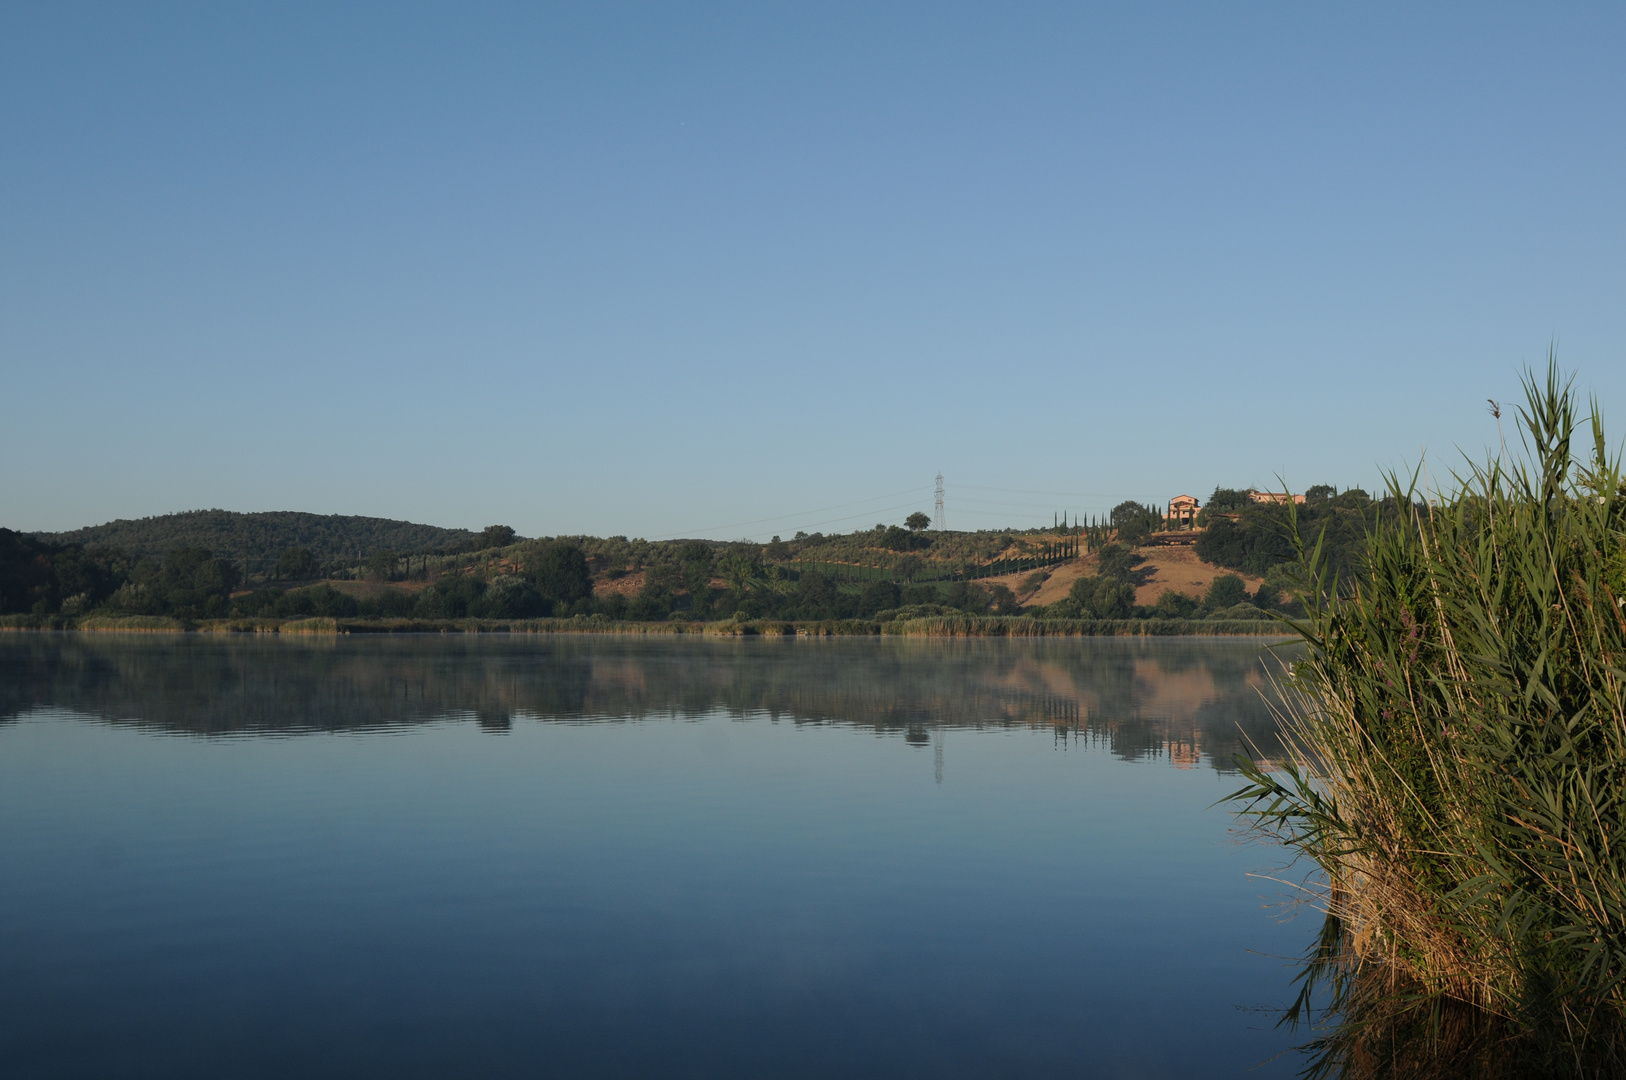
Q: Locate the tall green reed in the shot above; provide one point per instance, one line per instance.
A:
(1456, 768)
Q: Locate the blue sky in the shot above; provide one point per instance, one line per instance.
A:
(732, 271)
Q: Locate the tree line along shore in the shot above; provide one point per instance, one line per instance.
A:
(212, 570)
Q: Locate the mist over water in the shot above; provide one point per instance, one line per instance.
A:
(1192, 699)
(620, 857)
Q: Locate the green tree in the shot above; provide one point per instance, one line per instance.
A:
(1117, 562)
(1115, 601)
(43, 577)
(1001, 601)
(509, 596)
(662, 578)
(295, 563)
(695, 559)
(1225, 591)
(739, 570)
(1135, 521)
(815, 596)
(560, 574)
(1103, 597)
(495, 536)
(320, 600)
(654, 599)
(917, 522)
(896, 539)
(1228, 500)
(968, 597)
(381, 565)
(449, 598)
(190, 583)
(879, 596)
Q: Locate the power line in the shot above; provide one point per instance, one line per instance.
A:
(976, 508)
(1062, 494)
(801, 513)
(1015, 505)
(988, 513)
(860, 514)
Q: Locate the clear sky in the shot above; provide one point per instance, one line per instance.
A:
(729, 271)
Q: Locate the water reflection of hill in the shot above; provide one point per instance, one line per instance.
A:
(1189, 700)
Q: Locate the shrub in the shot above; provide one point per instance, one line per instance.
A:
(1174, 605)
(1103, 597)
(1001, 601)
(968, 597)
(449, 598)
(510, 597)
(879, 596)
(389, 604)
(322, 601)
(1240, 611)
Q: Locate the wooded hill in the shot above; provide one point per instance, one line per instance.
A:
(215, 564)
(254, 541)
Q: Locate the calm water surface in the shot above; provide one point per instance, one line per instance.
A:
(605, 857)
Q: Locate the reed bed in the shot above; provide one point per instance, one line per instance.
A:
(1456, 768)
(1022, 626)
(131, 624)
(292, 626)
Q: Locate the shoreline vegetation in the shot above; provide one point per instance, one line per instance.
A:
(930, 626)
(1455, 770)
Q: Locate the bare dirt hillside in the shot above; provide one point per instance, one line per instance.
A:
(1179, 569)
(626, 586)
(1176, 568)
(1166, 569)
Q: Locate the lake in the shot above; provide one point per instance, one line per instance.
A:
(600, 856)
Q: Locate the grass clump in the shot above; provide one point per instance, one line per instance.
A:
(310, 626)
(1456, 766)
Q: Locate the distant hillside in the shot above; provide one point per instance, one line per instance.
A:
(254, 541)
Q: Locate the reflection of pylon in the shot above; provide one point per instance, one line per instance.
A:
(938, 524)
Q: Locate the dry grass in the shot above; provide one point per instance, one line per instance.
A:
(1167, 569)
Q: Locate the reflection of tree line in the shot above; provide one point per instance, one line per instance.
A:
(1186, 699)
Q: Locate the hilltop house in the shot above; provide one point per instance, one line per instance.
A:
(1182, 513)
(1275, 497)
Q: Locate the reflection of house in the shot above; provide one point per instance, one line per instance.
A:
(1275, 497)
(1184, 753)
(1182, 513)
